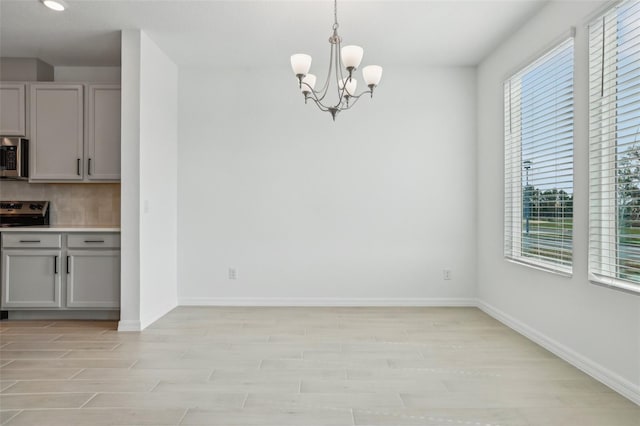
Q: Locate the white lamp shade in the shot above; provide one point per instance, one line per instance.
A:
(372, 74)
(351, 86)
(308, 83)
(352, 56)
(57, 5)
(300, 63)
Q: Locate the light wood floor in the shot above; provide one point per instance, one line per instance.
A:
(296, 366)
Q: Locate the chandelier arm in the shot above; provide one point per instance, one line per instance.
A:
(318, 95)
(325, 88)
(310, 92)
(339, 79)
(320, 105)
(313, 95)
(355, 99)
(349, 106)
(339, 65)
(366, 92)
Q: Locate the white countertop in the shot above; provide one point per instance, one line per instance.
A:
(63, 228)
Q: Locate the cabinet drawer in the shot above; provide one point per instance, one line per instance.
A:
(93, 240)
(31, 240)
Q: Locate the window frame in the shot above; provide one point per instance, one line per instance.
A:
(603, 238)
(513, 175)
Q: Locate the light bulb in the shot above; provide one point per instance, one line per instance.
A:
(57, 5)
(351, 85)
(372, 74)
(308, 83)
(300, 63)
(351, 56)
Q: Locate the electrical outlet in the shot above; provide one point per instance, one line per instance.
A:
(446, 274)
(233, 274)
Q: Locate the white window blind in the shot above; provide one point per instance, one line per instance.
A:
(614, 144)
(538, 135)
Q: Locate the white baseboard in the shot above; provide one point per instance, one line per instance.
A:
(144, 323)
(128, 325)
(595, 370)
(325, 301)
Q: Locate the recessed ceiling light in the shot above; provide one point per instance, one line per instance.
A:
(57, 5)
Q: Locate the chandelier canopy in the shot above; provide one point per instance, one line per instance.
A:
(343, 61)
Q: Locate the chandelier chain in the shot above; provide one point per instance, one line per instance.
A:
(335, 15)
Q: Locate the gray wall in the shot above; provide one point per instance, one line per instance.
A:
(597, 328)
(367, 210)
(25, 69)
(149, 182)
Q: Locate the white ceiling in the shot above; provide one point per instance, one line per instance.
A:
(255, 34)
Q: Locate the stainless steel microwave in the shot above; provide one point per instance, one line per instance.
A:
(14, 158)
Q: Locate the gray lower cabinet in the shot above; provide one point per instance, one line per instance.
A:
(60, 271)
(31, 279)
(92, 276)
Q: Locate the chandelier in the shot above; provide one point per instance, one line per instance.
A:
(343, 61)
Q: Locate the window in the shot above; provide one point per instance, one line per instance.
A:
(614, 145)
(538, 167)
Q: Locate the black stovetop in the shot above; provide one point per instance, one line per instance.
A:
(23, 213)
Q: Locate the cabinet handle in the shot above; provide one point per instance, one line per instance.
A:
(94, 241)
(68, 272)
(78, 167)
(55, 264)
(29, 241)
(89, 168)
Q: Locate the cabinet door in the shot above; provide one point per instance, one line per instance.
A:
(12, 109)
(57, 117)
(31, 279)
(103, 139)
(93, 278)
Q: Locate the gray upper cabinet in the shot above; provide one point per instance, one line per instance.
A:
(57, 131)
(12, 109)
(103, 133)
(75, 132)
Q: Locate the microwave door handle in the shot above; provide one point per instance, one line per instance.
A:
(23, 159)
(3, 160)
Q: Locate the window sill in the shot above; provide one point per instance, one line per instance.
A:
(556, 270)
(614, 284)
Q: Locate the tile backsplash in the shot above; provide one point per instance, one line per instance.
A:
(71, 203)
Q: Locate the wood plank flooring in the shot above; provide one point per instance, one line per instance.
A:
(295, 366)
